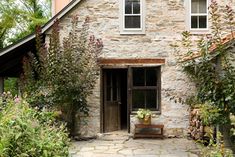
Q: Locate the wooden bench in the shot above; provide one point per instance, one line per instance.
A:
(142, 130)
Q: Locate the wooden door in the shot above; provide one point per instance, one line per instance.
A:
(112, 119)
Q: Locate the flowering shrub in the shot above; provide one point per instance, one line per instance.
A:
(64, 74)
(27, 132)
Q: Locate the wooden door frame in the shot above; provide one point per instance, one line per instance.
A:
(102, 105)
(129, 100)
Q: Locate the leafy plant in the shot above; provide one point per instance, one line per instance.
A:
(27, 132)
(213, 72)
(11, 85)
(209, 114)
(64, 75)
(142, 113)
(216, 149)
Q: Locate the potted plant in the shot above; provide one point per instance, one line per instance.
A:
(144, 115)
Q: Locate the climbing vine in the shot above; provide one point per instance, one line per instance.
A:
(211, 68)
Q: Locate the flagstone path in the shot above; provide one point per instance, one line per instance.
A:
(116, 145)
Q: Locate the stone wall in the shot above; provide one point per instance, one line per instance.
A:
(165, 20)
(91, 125)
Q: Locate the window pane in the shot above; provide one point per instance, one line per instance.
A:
(194, 22)
(198, 6)
(128, 6)
(146, 96)
(132, 21)
(138, 97)
(136, 7)
(138, 77)
(202, 22)
(151, 77)
(202, 6)
(151, 99)
(194, 6)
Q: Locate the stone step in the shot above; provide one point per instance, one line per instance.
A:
(114, 136)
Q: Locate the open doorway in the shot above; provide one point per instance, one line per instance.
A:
(115, 99)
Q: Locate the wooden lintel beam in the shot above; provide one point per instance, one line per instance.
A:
(108, 61)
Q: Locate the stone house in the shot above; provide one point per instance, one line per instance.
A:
(138, 65)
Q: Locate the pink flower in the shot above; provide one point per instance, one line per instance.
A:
(17, 100)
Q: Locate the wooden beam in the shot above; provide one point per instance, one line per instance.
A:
(1, 85)
(112, 61)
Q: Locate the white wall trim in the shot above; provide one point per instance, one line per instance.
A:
(122, 22)
(188, 20)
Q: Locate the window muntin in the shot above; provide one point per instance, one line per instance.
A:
(199, 14)
(145, 88)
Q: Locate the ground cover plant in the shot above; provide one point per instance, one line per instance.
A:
(27, 132)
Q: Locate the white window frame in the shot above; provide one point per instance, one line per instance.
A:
(124, 30)
(200, 30)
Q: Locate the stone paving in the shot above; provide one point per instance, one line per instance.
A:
(124, 146)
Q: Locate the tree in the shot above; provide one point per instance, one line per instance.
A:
(65, 73)
(20, 17)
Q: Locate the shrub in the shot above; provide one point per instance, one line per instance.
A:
(64, 74)
(11, 84)
(216, 149)
(27, 132)
(210, 114)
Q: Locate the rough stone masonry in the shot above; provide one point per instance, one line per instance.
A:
(165, 20)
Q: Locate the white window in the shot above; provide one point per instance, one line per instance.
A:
(198, 14)
(132, 18)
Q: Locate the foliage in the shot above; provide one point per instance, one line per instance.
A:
(11, 85)
(215, 149)
(27, 132)
(213, 73)
(19, 18)
(142, 113)
(209, 114)
(232, 117)
(64, 74)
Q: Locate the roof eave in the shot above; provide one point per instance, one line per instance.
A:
(46, 27)
(227, 40)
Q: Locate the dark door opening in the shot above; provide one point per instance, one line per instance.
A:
(115, 99)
